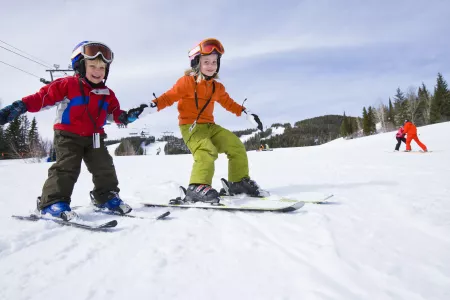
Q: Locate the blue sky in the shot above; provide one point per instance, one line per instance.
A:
(291, 59)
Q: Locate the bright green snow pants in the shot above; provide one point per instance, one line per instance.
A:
(206, 141)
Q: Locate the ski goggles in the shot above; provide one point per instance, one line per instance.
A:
(206, 47)
(94, 49)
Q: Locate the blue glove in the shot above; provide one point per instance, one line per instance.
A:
(12, 111)
(132, 115)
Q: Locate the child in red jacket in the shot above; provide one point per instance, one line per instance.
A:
(84, 103)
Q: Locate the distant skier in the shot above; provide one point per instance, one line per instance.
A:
(400, 136)
(83, 104)
(158, 150)
(411, 134)
(196, 93)
(261, 148)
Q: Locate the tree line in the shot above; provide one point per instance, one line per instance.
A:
(21, 139)
(418, 105)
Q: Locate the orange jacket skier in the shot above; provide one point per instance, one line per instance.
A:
(411, 134)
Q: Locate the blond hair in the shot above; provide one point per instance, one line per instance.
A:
(98, 60)
(198, 74)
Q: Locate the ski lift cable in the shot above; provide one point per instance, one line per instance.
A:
(47, 64)
(25, 57)
(20, 69)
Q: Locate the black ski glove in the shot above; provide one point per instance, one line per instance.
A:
(132, 115)
(254, 119)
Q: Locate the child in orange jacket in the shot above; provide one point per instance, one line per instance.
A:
(196, 93)
(411, 134)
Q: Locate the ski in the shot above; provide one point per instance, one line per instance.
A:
(316, 201)
(91, 227)
(160, 217)
(111, 213)
(201, 205)
(224, 195)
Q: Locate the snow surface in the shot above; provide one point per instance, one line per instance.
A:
(384, 235)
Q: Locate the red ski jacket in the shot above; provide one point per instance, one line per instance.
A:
(75, 113)
(409, 128)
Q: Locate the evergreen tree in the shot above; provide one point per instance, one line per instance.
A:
(400, 107)
(366, 122)
(351, 127)
(345, 130)
(35, 147)
(372, 120)
(12, 137)
(440, 108)
(391, 112)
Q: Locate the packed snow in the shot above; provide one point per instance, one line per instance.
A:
(384, 235)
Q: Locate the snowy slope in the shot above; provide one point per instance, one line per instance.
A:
(246, 137)
(385, 235)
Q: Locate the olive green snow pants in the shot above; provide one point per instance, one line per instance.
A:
(71, 149)
(206, 141)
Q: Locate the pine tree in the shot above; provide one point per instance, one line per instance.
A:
(35, 147)
(391, 112)
(372, 120)
(345, 130)
(366, 122)
(351, 126)
(440, 109)
(400, 107)
(12, 137)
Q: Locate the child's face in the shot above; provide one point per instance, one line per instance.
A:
(95, 70)
(208, 64)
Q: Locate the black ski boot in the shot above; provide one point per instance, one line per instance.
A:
(245, 186)
(202, 193)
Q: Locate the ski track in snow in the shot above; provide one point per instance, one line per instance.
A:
(384, 235)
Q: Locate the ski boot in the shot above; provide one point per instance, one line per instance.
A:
(59, 209)
(201, 193)
(245, 186)
(114, 203)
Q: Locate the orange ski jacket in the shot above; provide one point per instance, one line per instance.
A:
(184, 92)
(409, 128)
